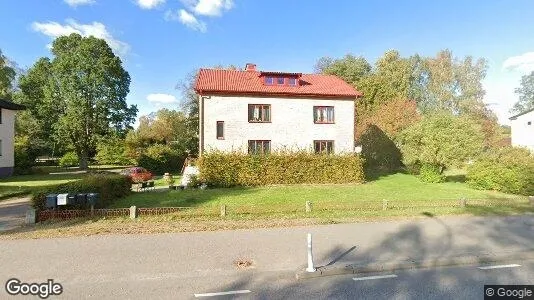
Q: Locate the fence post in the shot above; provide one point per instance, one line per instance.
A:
(385, 205)
(31, 216)
(463, 202)
(223, 210)
(92, 210)
(531, 198)
(133, 212)
(308, 206)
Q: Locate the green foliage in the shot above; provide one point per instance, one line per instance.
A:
(431, 173)
(161, 159)
(379, 151)
(110, 187)
(7, 76)
(69, 159)
(441, 140)
(526, 94)
(79, 95)
(24, 156)
(112, 151)
(509, 170)
(440, 83)
(240, 169)
(350, 68)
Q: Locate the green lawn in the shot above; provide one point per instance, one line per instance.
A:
(24, 184)
(401, 190)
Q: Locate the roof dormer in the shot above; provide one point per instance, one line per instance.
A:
(280, 79)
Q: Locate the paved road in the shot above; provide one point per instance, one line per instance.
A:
(12, 212)
(180, 265)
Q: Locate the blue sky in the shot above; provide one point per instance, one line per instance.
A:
(161, 41)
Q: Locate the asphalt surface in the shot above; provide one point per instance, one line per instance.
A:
(13, 212)
(178, 266)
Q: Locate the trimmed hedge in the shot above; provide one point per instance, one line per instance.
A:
(109, 186)
(509, 170)
(240, 169)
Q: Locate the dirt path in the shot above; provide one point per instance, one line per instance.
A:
(12, 212)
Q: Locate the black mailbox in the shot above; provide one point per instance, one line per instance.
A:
(81, 199)
(92, 198)
(71, 199)
(51, 201)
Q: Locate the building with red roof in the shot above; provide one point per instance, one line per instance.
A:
(259, 111)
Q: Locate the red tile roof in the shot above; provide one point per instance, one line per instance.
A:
(234, 82)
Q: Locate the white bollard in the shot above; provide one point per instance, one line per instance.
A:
(310, 267)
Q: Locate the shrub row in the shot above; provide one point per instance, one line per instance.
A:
(509, 170)
(160, 159)
(240, 169)
(109, 186)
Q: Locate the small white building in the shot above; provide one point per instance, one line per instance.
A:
(259, 111)
(7, 136)
(523, 129)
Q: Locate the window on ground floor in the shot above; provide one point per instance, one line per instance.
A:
(259, 113)
(323, 146)
(259, 147)
(220, 130)
(323, 114)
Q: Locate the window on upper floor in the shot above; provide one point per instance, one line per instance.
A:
(269, 80)
(323, 114)
(259, 147)
(323, 147)
(280, 80)
(292, 81)
(220, 130)
(260, 113)
(529, 123)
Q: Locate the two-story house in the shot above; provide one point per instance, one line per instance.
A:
(522, 126)
(7, 136)
(258, 111)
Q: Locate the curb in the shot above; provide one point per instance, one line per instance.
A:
(355, 268)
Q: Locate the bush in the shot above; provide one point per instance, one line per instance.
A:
(160, 159)
(441, 140)
(109, 186)
(24, 160)
(240, 169)
(431, 173)
(112, 151)
(509, 170)
(70, 159)
(379, 151)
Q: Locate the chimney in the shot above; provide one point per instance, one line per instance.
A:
(250, 67)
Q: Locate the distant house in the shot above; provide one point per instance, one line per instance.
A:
(259, 111)
(523, 129)
(7, 136)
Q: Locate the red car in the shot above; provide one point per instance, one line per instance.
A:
(137, 174)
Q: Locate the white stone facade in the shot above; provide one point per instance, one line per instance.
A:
(523, 130)
(7, 133)
(291, 126)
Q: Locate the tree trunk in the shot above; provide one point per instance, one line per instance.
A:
(84, 165)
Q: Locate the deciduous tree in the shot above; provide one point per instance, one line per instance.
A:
(526, 94)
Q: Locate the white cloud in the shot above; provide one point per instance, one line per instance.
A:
(187, 19)
(75, 3)
(96, 29)
(210, 8)
(523, 63)
(161, 98)
(149, 4)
